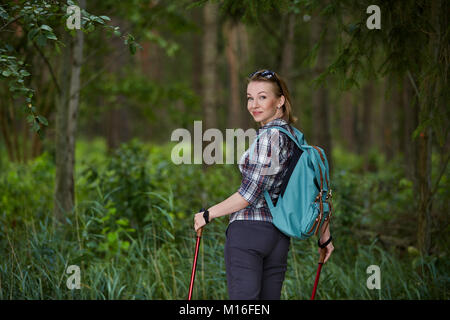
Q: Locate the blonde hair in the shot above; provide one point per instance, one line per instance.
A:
(280, 89)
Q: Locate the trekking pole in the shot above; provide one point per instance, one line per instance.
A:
(316, 282)
(194, 265)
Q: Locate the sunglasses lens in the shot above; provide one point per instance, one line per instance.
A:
(266, 74)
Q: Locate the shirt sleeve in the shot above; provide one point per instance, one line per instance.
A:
(262, 162)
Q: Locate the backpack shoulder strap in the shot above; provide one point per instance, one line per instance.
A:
(298, 139)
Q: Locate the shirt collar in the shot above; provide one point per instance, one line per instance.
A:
(274, 122)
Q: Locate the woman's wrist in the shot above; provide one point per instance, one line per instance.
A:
(323, 244)
(212, 213)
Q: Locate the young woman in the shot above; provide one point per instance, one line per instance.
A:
(255, 250)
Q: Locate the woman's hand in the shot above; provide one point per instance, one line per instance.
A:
(199, 221)
(326, 251)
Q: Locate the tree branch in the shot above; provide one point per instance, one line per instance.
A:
(9, 22)
(436, 185)
(49, 67)
(413, 83)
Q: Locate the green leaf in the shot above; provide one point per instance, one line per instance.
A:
(41, 40)
(6, 73)
(42, 120)
(90, 27)
(32, 33)
(36, 127)
(112, 237)
(24, 73)
(46, 27)
(97, 19)
(122, 222)
(105, 18)
(125, 245)
(132, 48)
(4, 14)
(51, 36)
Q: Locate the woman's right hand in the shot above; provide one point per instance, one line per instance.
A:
(199, 221)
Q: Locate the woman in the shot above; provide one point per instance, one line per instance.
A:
(255, 250)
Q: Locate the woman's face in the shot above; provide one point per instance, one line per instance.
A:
(262, 103)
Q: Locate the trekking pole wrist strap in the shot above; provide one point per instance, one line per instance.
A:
(206, 216)
(323, 245)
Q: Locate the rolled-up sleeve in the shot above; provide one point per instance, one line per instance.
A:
(262, 162)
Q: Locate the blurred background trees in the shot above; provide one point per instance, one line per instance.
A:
(375, 100)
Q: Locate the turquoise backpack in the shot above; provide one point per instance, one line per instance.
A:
(304, 203)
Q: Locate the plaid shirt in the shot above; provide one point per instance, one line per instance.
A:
(264, 172)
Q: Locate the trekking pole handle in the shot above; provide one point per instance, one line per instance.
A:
(322, 255)
(200, 230)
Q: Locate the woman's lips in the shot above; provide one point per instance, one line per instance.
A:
(255, 113)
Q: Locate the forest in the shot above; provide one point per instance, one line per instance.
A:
(91, 93)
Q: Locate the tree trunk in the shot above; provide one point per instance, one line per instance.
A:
(423, 174)
(346, 122)
(209, 72)
(387, 119)
(231, 37)
(320, 101)
(366, 130)
(245, 51)
(411, 121)
(428, 105)
(6, 132)
(210, 14)
(66, 119)
(287, 60)
(196, 74)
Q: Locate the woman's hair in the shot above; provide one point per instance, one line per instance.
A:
(280, 88)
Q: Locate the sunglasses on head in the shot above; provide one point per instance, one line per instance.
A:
(268, 74)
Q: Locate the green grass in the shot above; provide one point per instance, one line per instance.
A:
(125, 255)
(34, 264)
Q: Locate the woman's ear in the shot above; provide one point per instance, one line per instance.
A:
(282, 100)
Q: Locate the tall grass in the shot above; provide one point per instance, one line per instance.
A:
(34, 265)
(149, 256)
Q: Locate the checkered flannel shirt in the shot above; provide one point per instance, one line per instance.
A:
(259, 174)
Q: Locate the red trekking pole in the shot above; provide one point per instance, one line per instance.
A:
(194, 265)
(316, 282)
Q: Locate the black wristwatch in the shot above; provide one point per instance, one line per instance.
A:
(323, 245)
(206, 216)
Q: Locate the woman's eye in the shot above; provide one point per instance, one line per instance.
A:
(248, 98)
(263, 97)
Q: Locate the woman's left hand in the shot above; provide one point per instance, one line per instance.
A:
(327, 251)
(199, 221)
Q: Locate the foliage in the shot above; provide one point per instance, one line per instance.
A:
(26, 190)
(125, 253)
(40, 21)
